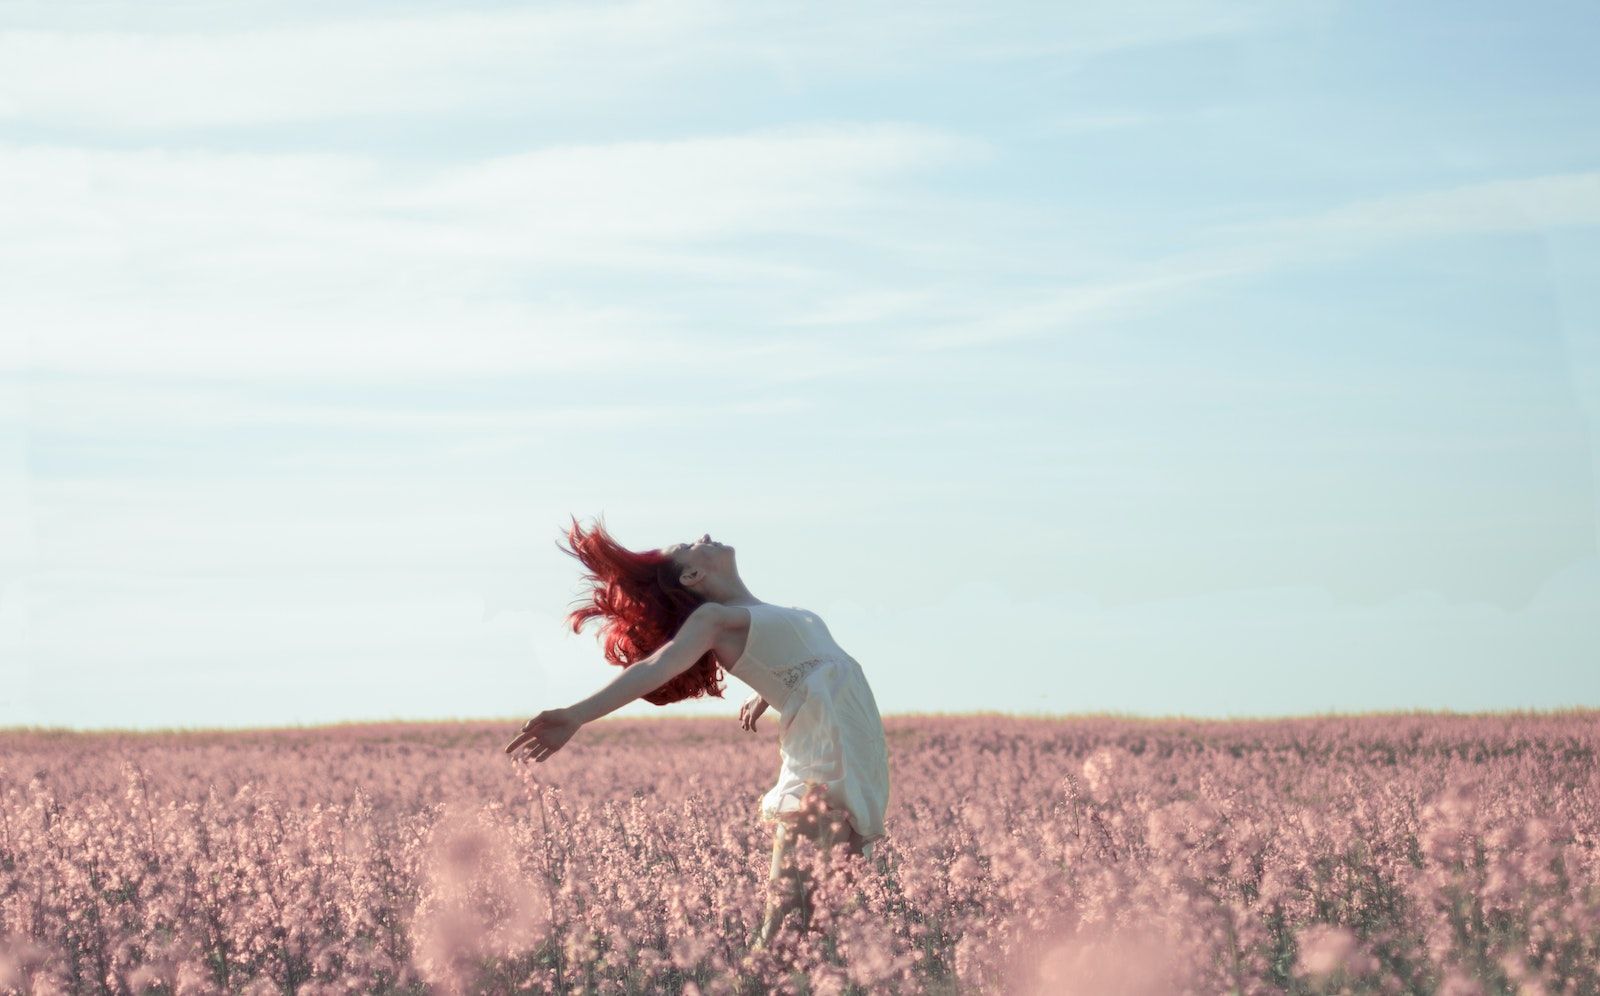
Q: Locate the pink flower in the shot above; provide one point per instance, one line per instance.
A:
(1328, 948)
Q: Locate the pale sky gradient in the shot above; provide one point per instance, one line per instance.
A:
(1217, 359)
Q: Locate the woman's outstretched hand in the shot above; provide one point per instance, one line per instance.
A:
(545, 734)
(752, 709)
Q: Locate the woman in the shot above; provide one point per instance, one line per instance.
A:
(674, 618)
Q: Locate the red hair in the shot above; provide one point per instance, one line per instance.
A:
(643, 604)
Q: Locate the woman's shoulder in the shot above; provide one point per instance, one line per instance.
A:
(729, 613)
(739, 615)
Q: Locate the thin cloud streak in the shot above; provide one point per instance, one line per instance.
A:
(1249, 250)
(548, 204)
(341, 68)
(117, 409)
(1515, 204)
(557, 59)
(266, 264)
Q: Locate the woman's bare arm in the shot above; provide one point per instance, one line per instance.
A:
(549, 731)
(692, 641)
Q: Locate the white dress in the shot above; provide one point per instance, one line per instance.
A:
(830, 733)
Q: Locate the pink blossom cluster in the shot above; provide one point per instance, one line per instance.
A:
(1367, 854)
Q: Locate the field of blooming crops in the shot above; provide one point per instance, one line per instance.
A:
(1393, 854)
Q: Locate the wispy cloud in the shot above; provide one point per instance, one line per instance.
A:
(406, 63)
(1248, 250)
(260, 263)
(1151, 288)
(117, 408)
(722, 186)
(1516, 204)
(160, 71)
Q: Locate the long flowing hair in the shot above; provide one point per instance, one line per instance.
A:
(642, 605)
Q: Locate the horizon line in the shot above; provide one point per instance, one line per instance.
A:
(1553, 712)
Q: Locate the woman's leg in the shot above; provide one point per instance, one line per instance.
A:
(788, 887)
(783, 884)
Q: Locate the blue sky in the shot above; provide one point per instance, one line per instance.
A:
(1218, 359)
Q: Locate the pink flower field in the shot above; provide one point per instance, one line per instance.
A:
(1370, 854)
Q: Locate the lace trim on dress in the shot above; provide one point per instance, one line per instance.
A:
(791, 675)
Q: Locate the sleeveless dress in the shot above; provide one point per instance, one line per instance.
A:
(830, 733)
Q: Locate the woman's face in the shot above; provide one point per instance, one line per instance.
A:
(704, 553)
